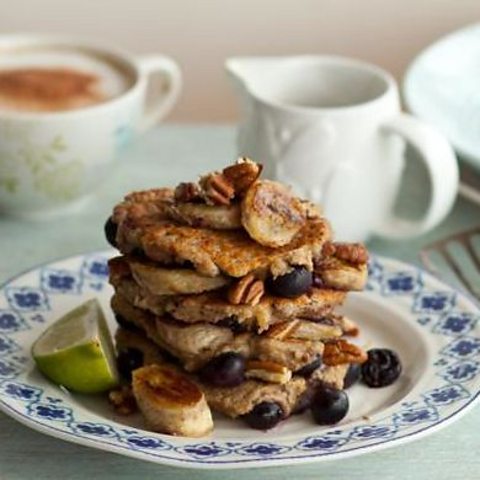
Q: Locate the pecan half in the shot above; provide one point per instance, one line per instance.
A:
(267, 371)
(217, 189)
(118, 268)
(242, 174)
(303, 330)
(187, 192)
(248, 290)
(123, 400)
(349, 327)
(354, 253)
(329, 249)
(282, 331)
(341, 351)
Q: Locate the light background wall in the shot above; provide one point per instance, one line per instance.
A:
(200, 34)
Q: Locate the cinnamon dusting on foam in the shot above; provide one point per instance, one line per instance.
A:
(48, 89)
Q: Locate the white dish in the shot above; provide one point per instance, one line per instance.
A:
(435, 331)
(441, 87)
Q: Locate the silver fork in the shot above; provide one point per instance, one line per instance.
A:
(441, 247)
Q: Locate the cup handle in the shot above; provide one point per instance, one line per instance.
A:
(164, 82)
(439, 158)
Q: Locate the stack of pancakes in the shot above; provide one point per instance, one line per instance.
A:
(235, 264)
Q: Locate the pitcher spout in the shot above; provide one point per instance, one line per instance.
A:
(252, 75)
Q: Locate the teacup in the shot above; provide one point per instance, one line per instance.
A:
(67, 108)
(332, 128)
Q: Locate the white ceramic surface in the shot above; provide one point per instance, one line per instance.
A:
(435, 330)
(49, 161)
(332, 128)
(441, 86)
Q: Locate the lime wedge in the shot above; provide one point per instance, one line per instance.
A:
(77, 351)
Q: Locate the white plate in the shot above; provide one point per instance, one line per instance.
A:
(434, 330)
(442, 87)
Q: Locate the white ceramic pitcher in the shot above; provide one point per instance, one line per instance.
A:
(332, 128)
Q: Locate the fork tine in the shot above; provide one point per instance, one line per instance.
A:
(467, 242)
(456, 269)
(458, 272)
(441, 246)
(428, 264)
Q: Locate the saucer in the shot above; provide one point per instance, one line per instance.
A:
(441, 87)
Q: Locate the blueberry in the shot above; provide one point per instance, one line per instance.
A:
(304, 401)
(122, 322)
(354, 373)
(169, 357)
(110, 229)
(382, 368)
(264, 416)
(329, 405)
(317, 281)
(129, 360)
(233, 324)
(309, 368)
(226, 370)
(292, 284)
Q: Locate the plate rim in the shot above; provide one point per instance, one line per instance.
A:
(195, 463)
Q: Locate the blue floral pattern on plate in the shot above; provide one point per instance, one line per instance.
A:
(400, 283)
(463, 347)
(50, 412)
(448, 321)
(27, 299)
(11, 321)
(416, 415)
(324, 443)
(60, 281)
(262, 449)
(91, 428)
(21, 391)
(373, 431)
(434, 302)
(461, 371)
(454, 323)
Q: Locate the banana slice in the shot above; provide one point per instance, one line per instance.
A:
(170, 402)
(311, 209)
(166, 281)
(200, 215)
(271, 214)
(341, 275)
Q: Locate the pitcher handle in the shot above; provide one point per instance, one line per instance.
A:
(440, 161)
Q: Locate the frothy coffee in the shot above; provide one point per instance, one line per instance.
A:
(49, 80)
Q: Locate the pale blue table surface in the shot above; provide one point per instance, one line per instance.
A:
(164, 157)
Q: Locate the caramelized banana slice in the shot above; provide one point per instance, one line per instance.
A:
(271, 214)
(200, 215)
(170, 402)
(173, 281)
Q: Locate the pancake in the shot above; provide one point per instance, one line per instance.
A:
(240, 400)
(229, 252)
(213, 307)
